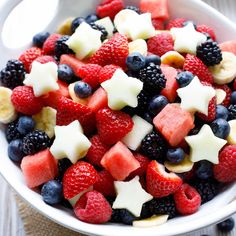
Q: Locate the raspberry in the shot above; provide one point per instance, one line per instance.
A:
(158, 24)
(107, 72)
(187, 200)
(208, 30)
(24, 100)
(49, 44)
(176, 23)
(109, 8)
(160, 44)
(93, 208)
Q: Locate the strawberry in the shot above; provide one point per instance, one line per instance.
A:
(89, 73)
(211, 111)
(159, 182)
(228, 91)
(176, 23)
(105, 184)
(24, 100)
(78, 178)
(225, 170)
(68, 111)
(44, 60)
(187, 200)
(113, 125)
(158, 24)
(49, 44)
(161, 43)
(208, 30)
(93, 208)
(114, 51)
(197, 67)
(109, 8)
(107, 72)
(96, 151)
(29, 55)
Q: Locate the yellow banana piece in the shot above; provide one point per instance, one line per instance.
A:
(232, 134)
(174, 59)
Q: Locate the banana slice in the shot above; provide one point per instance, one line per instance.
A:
(174, 59)
(184, 166)
(220, 96)
(151, 222)
(138, 45)
(65, 27)
(232, 134)
(7, 110)
(83, 101)
(46, 120)
(225, 72)
(161, 31)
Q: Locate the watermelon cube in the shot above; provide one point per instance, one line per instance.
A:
(171, 84)
(228, 46)
(98, 100)
(174, 123)
(39, 168)
(119, 161)
(158, 8)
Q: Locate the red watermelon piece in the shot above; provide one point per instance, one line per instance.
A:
(119, 161)
(98, 100)
(174, 123)
(171, 84)
(39, 168)
(158, 8)
(228, 46)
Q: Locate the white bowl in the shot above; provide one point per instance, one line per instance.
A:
(219, 208)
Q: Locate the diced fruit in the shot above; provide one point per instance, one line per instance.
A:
(119, 161)
(39, 168)
(158, 24)
(228, 46)
(174, 123)
(158, 8)
(171, 84)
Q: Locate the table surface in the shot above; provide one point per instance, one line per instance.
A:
(10, 222)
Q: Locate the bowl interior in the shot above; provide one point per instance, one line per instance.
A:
(191, 9)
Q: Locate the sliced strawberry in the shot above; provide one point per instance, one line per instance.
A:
(107, 72)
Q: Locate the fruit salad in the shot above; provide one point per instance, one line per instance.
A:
(125, 115)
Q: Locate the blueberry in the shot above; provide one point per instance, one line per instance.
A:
(175, 155)
(222, 112)
(147, 117)
(40, 38)
(91, 18)
(220, 128)
(127, 217)
(76, 22)
(25, 125)
(190, 22)
(154, 59)
(52, 192)
(65, 73)
(204, 170)
(82, 89)
(226, 226)
(157, 104)
(15, 150)
(135, 61)
(233, 98)
(184, 78)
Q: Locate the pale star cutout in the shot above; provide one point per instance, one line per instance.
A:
(187, 39)
(205, 145)
(131, 196)
(42, 77)
(196, 97)
(70, 142)
(85, 41)
(122, 90)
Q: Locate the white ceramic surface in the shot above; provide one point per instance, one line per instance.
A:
(217, 209)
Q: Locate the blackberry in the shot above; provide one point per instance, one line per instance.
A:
(129, 110)
(153, 78)
(133, 8)
(208, 189)
(209, 53)
(61, 47)
(116, 217)
(122, 216)
(76, 23)
(101, 29)
(153, 146)
(63, 165)
(146, 213)
(35, 141)
(11, 132)
(232, 112)
(13, 74)
(165, 205)
(143, 101)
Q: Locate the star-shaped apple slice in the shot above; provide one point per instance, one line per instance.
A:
(131, 196)
(70, 142)
(42, 77)
(205, 145)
